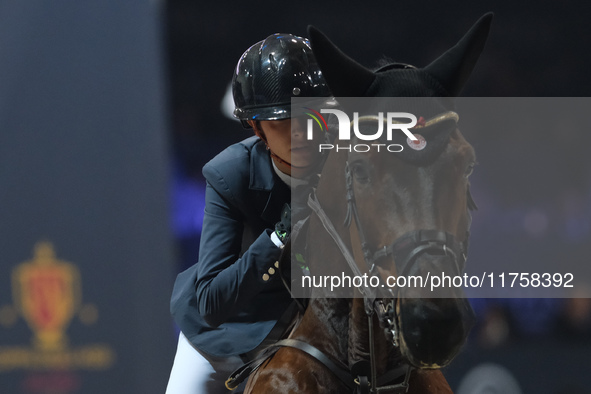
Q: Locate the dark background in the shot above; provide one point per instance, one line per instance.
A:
(533, 50)
(109, 109)
(533, 179)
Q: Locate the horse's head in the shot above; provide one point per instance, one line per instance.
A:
(408, 211)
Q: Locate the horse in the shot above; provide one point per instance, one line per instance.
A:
(385, 214)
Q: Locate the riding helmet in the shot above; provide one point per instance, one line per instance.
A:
(270, 73)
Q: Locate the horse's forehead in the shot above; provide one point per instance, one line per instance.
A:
(429, 144)
(406, 83)
(462, 145)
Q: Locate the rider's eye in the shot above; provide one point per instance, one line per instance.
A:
(469, 170)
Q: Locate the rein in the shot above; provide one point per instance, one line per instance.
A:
(369, 297)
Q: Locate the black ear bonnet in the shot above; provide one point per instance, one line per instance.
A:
(438, 82)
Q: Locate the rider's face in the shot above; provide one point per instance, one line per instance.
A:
(287, 139)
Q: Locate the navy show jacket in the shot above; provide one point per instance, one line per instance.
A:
(222, 304)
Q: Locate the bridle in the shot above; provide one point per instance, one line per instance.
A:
(405, 250)
(386, 314)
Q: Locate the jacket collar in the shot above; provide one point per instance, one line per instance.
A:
(262, 176)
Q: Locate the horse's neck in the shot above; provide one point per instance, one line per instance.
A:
(358, 333)
(386, 356)
(325, 325)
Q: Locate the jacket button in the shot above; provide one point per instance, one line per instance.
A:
(266, 277)
(277, 264)
(271, 271)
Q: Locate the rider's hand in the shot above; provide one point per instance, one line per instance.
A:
(283, 226)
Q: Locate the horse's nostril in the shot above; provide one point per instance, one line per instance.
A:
(433, 331)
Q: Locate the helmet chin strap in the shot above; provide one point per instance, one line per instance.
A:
(262, 137)
(286, 162)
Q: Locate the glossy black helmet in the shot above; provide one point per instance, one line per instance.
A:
(270, 73)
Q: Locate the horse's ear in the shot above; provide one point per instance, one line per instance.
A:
(344, 76)
(453, 68)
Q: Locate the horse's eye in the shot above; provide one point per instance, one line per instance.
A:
(469, 170)
(360, 173)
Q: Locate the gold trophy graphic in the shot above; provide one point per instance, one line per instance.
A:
(47, 293)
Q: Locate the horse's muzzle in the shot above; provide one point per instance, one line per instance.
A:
(433, 330)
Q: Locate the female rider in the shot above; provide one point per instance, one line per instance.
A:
(232, 303)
